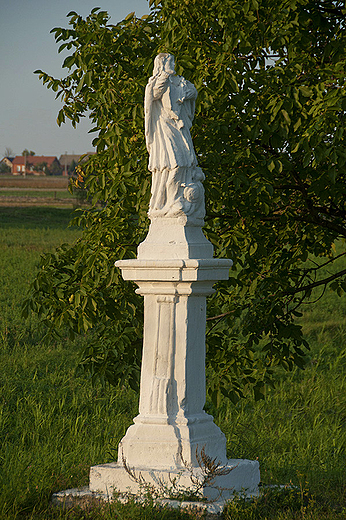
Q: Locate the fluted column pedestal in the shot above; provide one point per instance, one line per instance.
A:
(171, 423)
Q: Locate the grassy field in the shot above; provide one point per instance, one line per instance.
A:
(32, 182)
(34, 191)
(54, 424)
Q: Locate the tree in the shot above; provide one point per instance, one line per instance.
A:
(8, 152)
(72, 167)
(269, 134)
(26, 153)
(55, 169)
(4, 168)
(41, 167)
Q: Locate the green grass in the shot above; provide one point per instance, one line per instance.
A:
(21, 220)
(54, 424)
(54, 194)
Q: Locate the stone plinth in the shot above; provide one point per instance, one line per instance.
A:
(172, 426)
(171, 238)
(243, 477)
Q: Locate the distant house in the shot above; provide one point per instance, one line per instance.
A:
(6, 164)
(36, 165)
(7, 160)
(69, 161)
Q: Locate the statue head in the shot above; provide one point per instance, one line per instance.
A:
(164, 62)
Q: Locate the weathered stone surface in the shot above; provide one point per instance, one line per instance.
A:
(242, 478)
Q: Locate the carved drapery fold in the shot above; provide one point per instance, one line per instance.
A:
(163, 395)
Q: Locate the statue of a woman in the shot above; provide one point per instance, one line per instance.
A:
(169, 107)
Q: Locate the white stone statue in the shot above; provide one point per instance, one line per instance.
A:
(175, 272)
(169, 107)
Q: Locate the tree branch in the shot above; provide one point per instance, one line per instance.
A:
(311, 286)
(219, 316)
(326, 263)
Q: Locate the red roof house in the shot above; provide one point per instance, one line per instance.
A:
(35, 165)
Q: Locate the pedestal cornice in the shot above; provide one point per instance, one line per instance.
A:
(187, 270)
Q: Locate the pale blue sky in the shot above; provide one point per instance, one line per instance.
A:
(28, 110)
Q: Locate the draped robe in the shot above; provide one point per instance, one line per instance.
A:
(169, 109)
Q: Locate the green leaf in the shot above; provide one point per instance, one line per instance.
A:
(271, 165)
(69, 62)
(61, 117)
(80, 84)
(297, 124)
(286, 116)
(305, 91)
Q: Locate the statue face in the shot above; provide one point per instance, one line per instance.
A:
(169, 65)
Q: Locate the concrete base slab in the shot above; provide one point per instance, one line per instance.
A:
(239, 475)
(84, 498)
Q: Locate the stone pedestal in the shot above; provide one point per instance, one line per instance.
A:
(174, 272)
(172, 423)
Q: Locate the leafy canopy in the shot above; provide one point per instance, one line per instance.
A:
(269, 134)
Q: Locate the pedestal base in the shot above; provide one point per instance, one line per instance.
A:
(173, 444)
(243, 477)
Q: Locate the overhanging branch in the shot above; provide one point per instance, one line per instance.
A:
(325, 281)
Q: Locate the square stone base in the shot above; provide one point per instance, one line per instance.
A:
(241, 476)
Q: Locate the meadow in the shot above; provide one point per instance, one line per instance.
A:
(29, 190)
(35, 193)
(54, 423)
